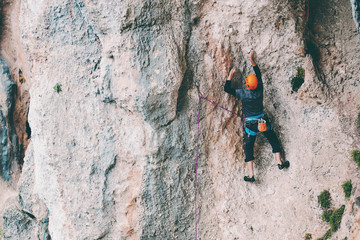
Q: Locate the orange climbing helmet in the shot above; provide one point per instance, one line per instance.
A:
(251, 82)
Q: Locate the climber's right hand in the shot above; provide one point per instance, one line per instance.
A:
(232, 72)
(251, 54)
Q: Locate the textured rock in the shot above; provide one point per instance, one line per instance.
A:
(28, 198)
(106, 149)
(25, 216)
(355, 4)
(313, 87)
(19, 225)
(9, 150)
(12, 52)
(112, 155)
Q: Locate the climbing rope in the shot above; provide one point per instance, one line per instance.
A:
(197, 141)
(47, 217)
(196, 165)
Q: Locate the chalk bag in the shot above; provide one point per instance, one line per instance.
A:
(262, 125)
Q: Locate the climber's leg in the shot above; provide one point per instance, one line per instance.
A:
(275, 144)
(278, 157)
(249, 142)
(250, 166)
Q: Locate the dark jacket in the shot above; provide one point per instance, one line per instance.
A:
(252, 100)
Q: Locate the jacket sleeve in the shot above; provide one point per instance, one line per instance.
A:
(228, 88)
(258, 75)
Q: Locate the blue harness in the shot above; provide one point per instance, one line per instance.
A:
(252, 118)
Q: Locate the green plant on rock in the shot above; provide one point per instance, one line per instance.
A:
(332, 216)
(57, 88)
(356, 157)
(308, 236)
(324, 199)
(326, 215)
(298, 80)
(347, 187)
(326, 236)
(335, 218)
(300, 72)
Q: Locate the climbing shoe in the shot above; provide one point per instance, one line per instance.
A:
(248, 179)
(285, 164)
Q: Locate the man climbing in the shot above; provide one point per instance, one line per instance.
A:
(253, 110)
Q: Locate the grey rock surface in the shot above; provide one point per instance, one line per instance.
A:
(112, 156)
(356, 13)
(9, 150)
(18, 224)
(25, 216)
(28, 199)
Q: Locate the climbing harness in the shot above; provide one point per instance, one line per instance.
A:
(261, 122)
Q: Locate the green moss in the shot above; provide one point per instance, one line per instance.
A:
(57, 88)
(355, 155)
(308, 236)
(347, 187)
(296, 83)
(324, 199)
(298, 80)
(335, 218)
(300, 72)
(326, 215)
(327, 235)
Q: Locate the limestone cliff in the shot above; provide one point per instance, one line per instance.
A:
(9, 141)
(106, 111)
(356, 13)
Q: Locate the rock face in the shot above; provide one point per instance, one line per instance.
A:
(9, 149)
(18, 225)
(356, 13)
(25, 216)
(112, 153)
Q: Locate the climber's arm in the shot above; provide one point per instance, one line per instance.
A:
(251, 57)
(255, 67)
(227, 87)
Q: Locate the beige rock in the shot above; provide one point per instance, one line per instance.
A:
(112, 155)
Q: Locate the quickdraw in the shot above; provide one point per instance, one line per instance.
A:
(197, 85)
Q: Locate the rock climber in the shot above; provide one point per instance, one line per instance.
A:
(253, 111)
